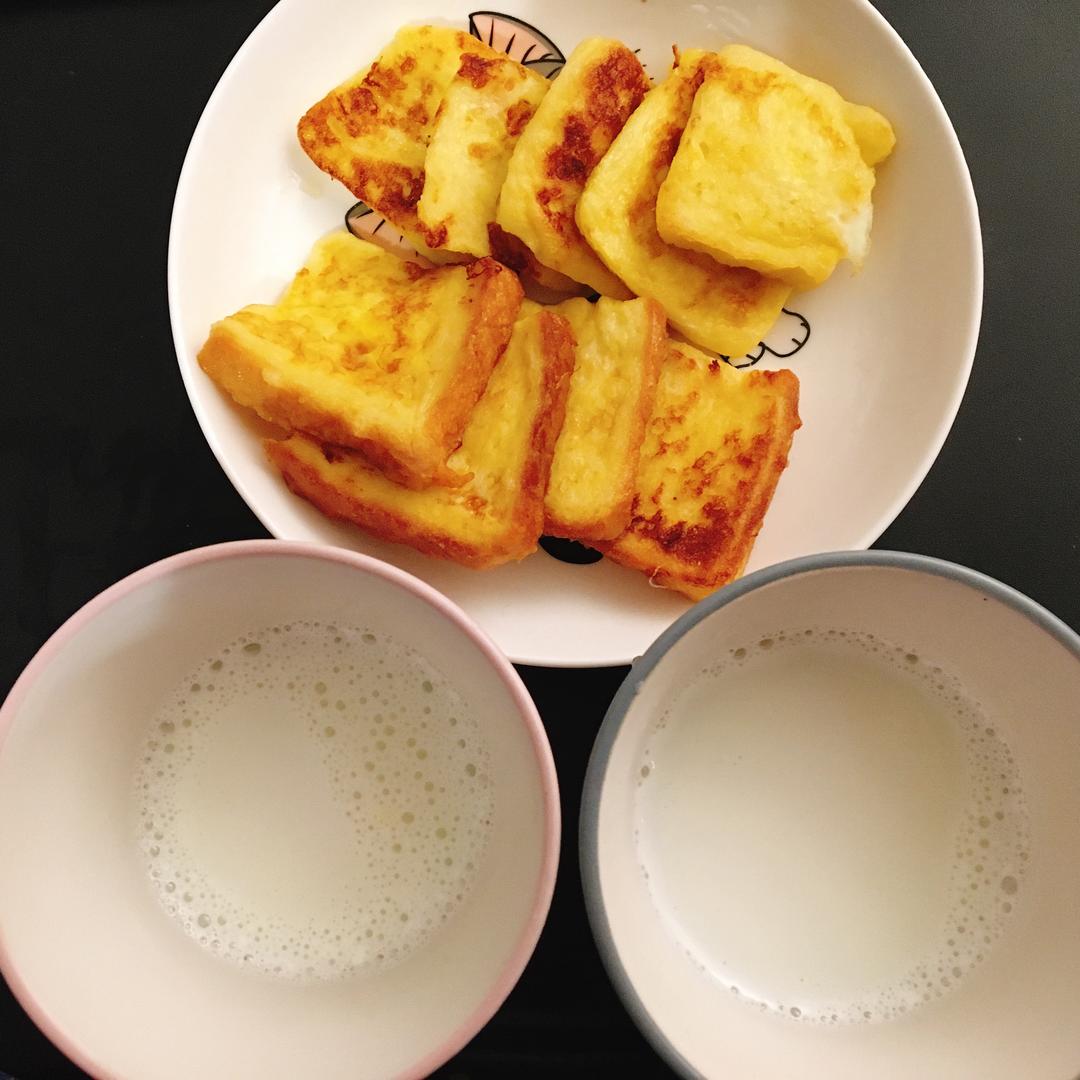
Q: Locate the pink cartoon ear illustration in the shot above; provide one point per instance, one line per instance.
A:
(786, 338)
(519, 40)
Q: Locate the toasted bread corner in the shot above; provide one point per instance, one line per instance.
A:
(717, 444)
(368, 352)
(496, 516)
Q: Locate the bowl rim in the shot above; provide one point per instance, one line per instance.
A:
(507, 977)
(190, 372)
(643, 666)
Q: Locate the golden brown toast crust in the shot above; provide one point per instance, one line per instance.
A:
(399, 93)
(259, 371)
(694, 522)
(494, 305)
(725, 309)
(601, 85)
(610, 485)
(471, 525)
(483, 112)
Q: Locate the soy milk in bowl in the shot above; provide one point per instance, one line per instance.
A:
(357, 823)
(826, 825)
(270, 807)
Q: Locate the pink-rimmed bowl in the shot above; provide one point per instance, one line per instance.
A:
(85, 944)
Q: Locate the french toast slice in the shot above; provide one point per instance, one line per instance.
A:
(371, 133)
(723, 308)
(497, 515)
(873, 133)
(768, 174)
(368, 351)
(484, 109)
(579, 117)
(619, 347)
(715, 446)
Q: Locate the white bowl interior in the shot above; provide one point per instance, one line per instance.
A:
(1013, 1015)
(116, 977)
(882, 374)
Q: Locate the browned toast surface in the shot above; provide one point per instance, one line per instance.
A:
(725, 309)
(372, 132)
(619, 348)
(370, 352)
(579, 117)
(715, 446)
(497, 515)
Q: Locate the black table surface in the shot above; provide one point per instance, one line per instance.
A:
(105, 469)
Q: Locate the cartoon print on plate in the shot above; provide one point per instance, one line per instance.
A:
(519, 40)
(569, 551)
(362, 221)
(528, 46)
(785, 339)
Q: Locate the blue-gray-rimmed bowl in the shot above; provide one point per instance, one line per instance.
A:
(1010, 1014)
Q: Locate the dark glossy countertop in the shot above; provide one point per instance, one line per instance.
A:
(105, 469)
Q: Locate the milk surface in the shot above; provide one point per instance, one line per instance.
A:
(312, 801)
(830, 826)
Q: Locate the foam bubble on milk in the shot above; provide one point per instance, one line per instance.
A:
(379, 735)
(990, 848)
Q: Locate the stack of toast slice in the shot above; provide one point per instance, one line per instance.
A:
(438, 409)
(727, 309)
(469, 153)
(368, 351)
(426, 401)
(716, 192)
(506, 450)
(371, 133)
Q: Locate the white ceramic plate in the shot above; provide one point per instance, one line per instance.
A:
(882, 371)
